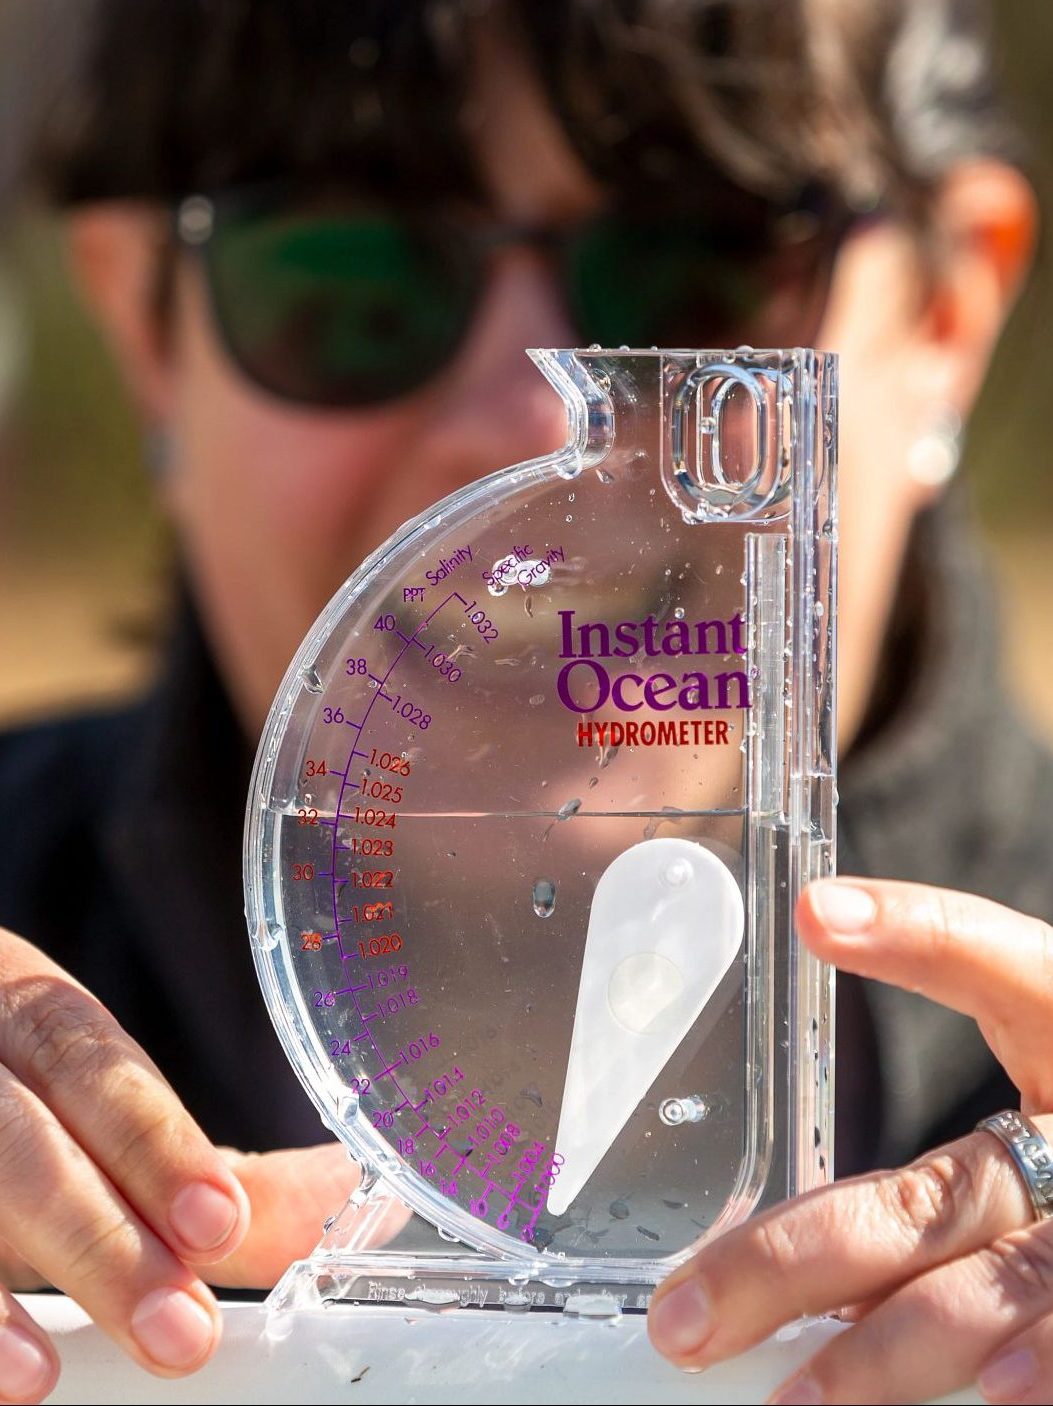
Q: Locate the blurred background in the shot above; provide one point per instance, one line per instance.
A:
(84, 555)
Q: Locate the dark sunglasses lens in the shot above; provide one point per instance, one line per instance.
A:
(336, 311)
(662, 283)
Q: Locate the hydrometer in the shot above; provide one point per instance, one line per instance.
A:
(528, 821)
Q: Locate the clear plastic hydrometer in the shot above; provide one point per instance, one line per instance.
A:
(528, 821)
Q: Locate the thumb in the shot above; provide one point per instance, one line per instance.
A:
(291, 1194)
(965, 952)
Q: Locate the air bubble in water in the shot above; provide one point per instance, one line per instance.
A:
(569, 517)
(528, 605)
(496, 588)
(678, 613)
(593, 781)
(544, 897)
(311, 679)
(536, 698)
(604, 476)
(568, 808)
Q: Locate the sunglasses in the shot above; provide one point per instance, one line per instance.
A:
(345, 305)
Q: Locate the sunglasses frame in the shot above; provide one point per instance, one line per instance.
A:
(816, 222)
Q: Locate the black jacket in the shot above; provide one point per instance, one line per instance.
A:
(122, 859)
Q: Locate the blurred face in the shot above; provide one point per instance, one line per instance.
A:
(277, 503)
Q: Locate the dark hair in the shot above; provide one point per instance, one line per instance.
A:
(155, 98)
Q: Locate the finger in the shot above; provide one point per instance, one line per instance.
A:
(15, 1274)
(60, 1214)
(937, 1332)
(962, 951)
(29, 1366)
(850, 1243)
(292, 1194)
(70, 1051)
(1022, 1368)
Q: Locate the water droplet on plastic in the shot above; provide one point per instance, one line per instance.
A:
(311, 679)
(434, 1300)
(544, 897)
(596, 1307)
(790, 1332)
(661, 609)
(568, 808)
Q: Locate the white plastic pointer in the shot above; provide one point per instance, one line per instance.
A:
(666, 924)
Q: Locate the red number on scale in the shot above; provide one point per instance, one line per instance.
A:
(381, 946)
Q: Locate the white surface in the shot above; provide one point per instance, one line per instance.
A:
(665, 924)
(381, 1354)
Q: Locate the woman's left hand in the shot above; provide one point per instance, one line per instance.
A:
(946, 1272)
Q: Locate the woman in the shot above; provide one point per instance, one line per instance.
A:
(839, 166)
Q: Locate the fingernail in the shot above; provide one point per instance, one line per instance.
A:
(843, 907)
(1008, 1377)
(202, 1215)
(799, 1391)
(172, 1328)
(680, 1322)
(24, 1367)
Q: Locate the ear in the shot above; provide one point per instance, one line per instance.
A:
(117, 254)
(984, 229)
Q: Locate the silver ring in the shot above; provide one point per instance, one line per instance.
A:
(1031, 1153)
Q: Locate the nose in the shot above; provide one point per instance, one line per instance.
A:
(493, 408)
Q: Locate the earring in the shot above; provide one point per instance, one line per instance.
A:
(933, 457)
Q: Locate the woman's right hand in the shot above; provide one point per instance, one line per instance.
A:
(110, 1191)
